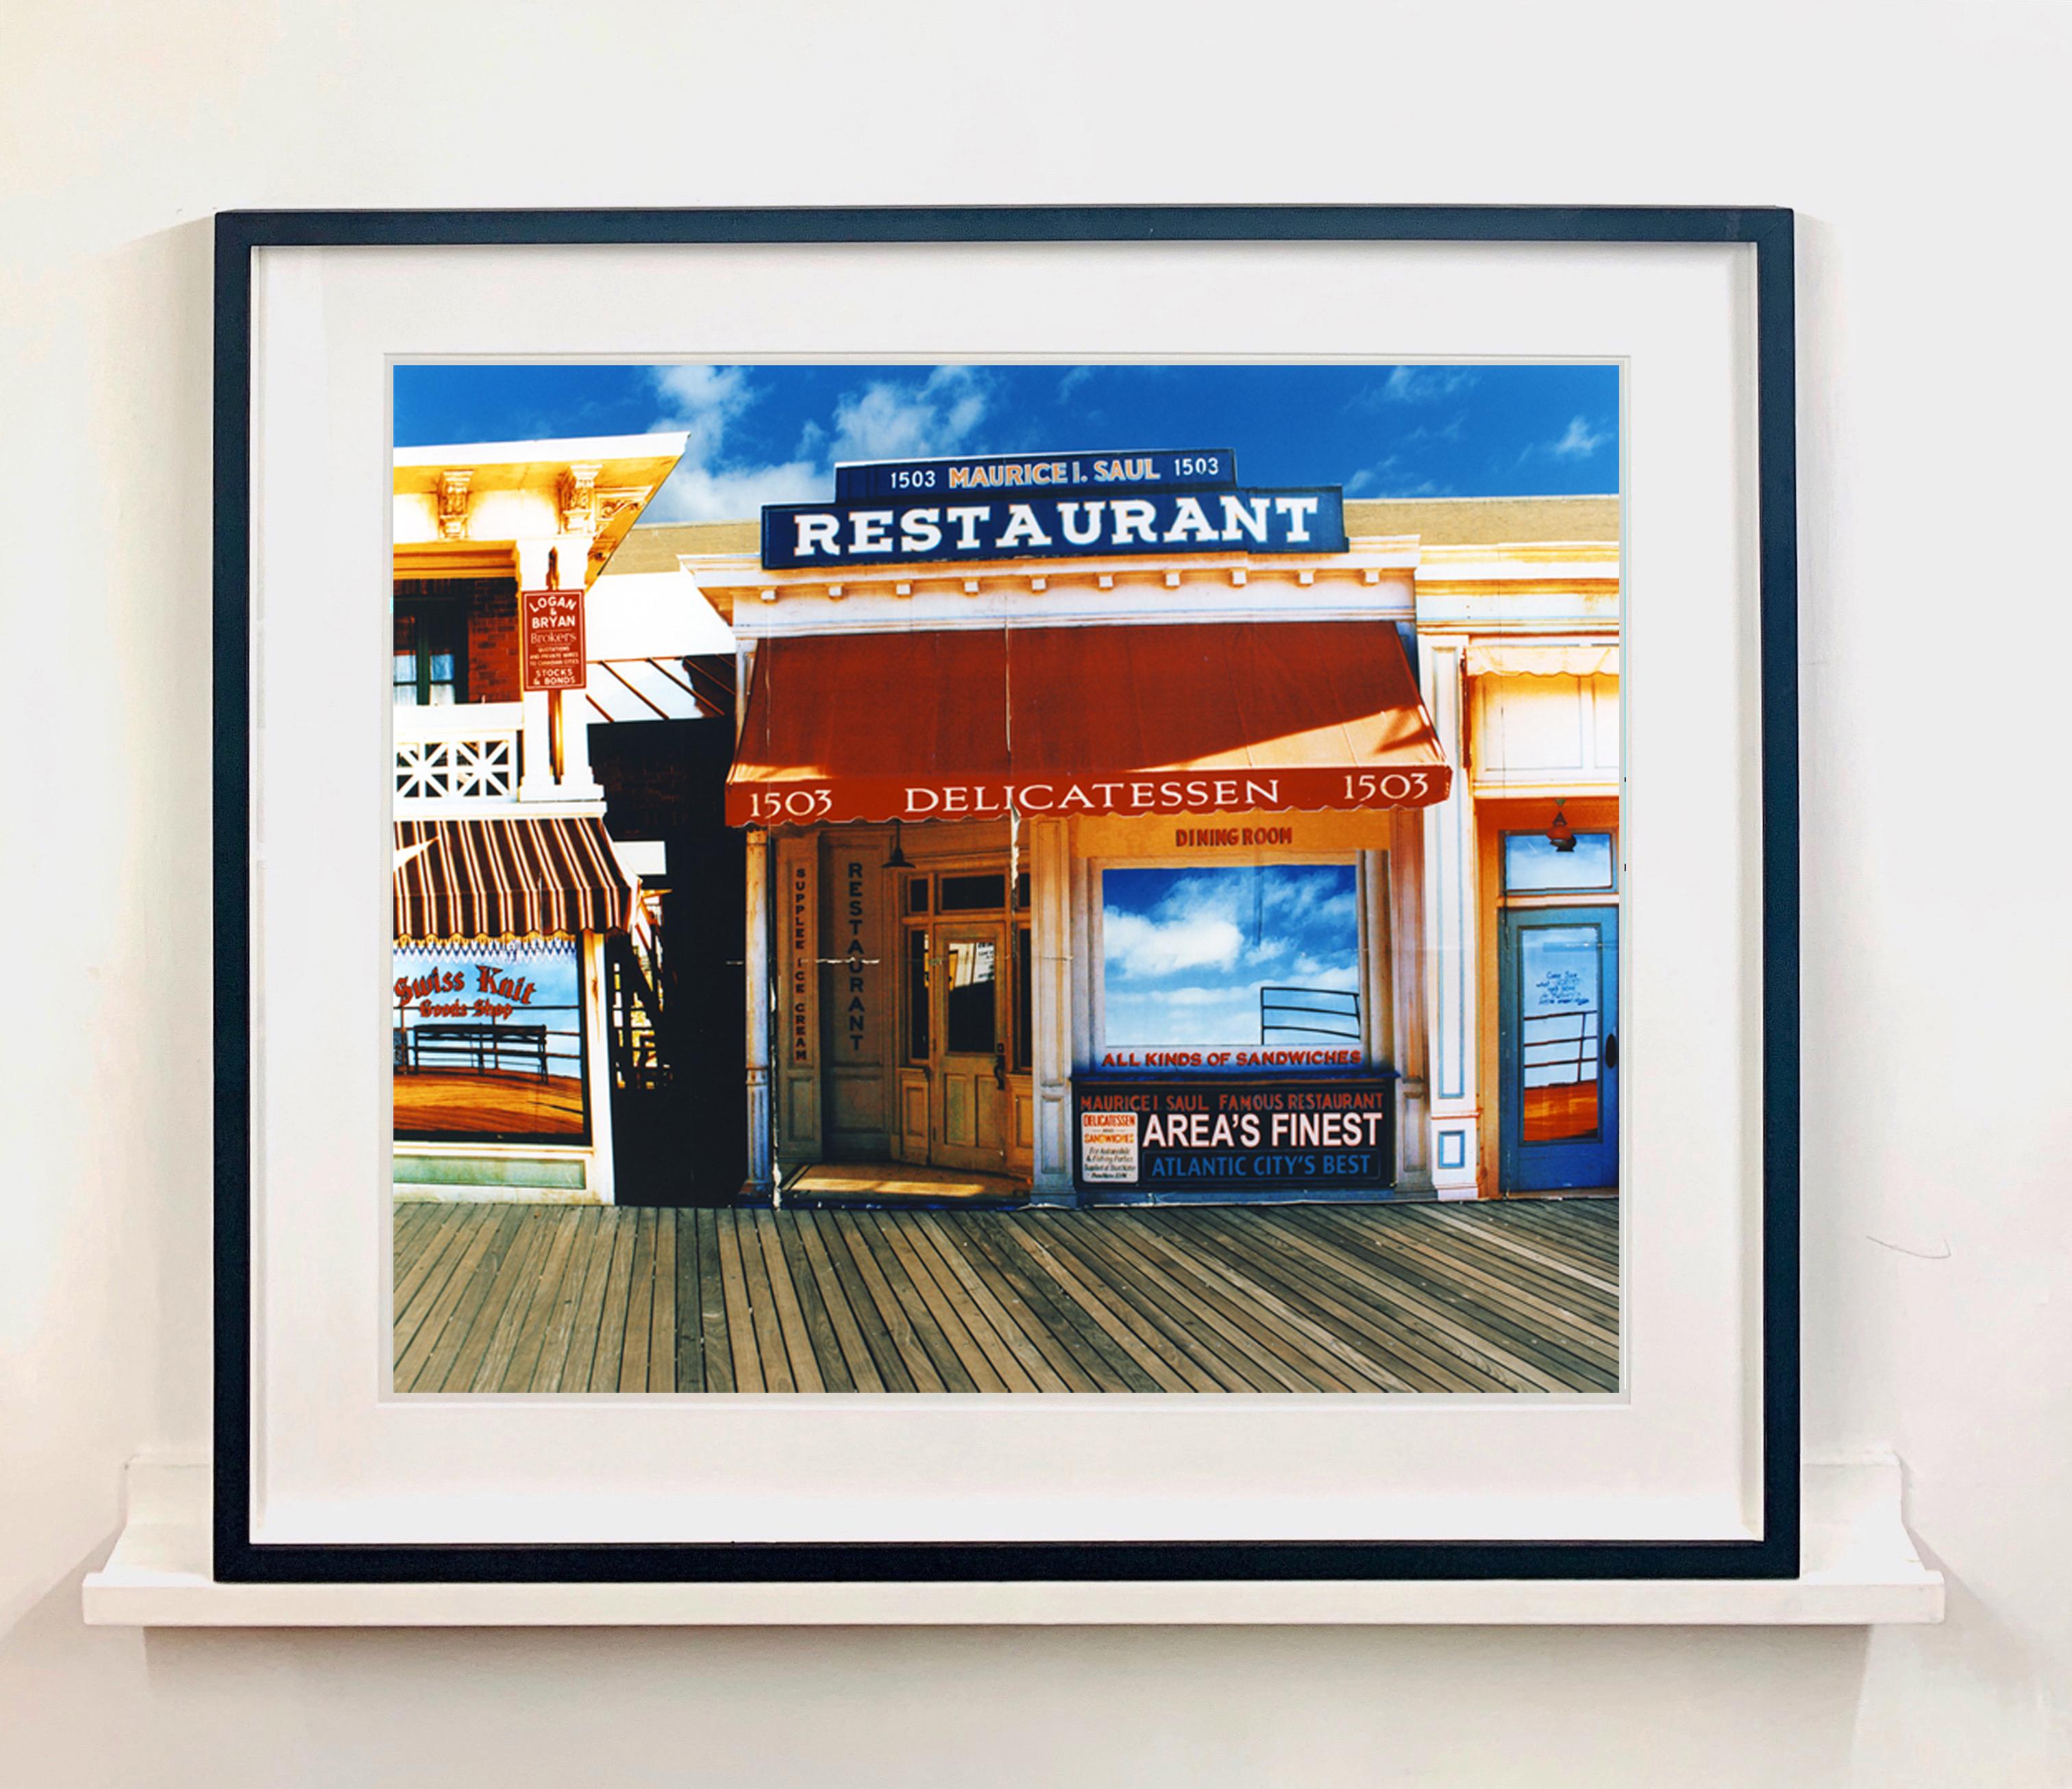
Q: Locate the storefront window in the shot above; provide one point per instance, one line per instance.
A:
(1024, 1029)
(971, 1005)
(1236, 960)
(430, 654)
(1559, 1043)
(973, 893)
(917, 994)
(1533, 864)
(489, 1042)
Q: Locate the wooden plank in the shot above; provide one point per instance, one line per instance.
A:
(561, 1227)
(941, 1351)
(783, 1236)
(1308, 1338)
(604, 1367)
(741, 1333)
(1435, 1359)
(1520, 1232)
(1591, 1328)
(794, 1334)
(856, 1359)
(1150, 1355)
(975, 1308)
(893, 1367)
(522, 1271)
(1412, 1300)
(1517, 1241)
(1239, 1331)
(427, 1255)
(571, 1338)
(662, 1324)
(777, 1375)
(587, 1324)
(1131, 1292)
(715, 1354)
(1505, 1316)
(503, 1236)
(1091, 1350)
(1012, 1321)
(689, 1341)
(429, 1357)
(420, 1295)
(639, 1304)
(942, 1310)
(1462, 1261)
(410, 1227)
(892, 1316)
(1392, 1347)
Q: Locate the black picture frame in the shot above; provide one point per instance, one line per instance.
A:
(237, 1558)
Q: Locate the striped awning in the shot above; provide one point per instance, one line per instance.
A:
(507, 878)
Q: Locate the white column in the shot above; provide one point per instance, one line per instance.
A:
(1406, 927)
(570, 564)
(1050, 1012)
(1450, 993)
(579, 783)
(755, 961)
(536, 774)
(596, 1023)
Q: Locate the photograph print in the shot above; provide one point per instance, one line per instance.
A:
(1006, 879)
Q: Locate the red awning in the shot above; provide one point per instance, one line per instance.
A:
(1197, 717)
(507, 878)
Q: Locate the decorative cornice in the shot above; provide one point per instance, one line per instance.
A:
(452, 503)
(577, 489)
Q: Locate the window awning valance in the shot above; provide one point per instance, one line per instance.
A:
(1199, 718)
(507, 878)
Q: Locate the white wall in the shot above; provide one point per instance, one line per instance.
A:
(1924, 147)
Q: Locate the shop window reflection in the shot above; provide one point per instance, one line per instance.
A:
(1229, 958)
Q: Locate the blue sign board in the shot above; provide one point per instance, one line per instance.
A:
(978, 527)
(1166, 468)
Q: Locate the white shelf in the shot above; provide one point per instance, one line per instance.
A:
(1859, 1568)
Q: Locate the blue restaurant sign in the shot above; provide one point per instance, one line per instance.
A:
(981, 522)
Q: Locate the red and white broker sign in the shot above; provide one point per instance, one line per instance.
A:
(550, 639)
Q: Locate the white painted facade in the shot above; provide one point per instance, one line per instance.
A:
(1517, 653)
(542, 514)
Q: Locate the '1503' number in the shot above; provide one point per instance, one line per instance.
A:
(1396, 786)
(790, 804)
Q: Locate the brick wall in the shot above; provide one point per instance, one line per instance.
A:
(492, 644)
(487, 607)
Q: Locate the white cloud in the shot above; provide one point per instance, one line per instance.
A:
(890, 418)
(1578, 442)
(1147, 947)
(1072, 381)
(702, 400)
(1390, 478)
(695, 493)
(1415, 385)
(895, 419)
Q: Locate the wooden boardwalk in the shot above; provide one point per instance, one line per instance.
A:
(1411, 1297)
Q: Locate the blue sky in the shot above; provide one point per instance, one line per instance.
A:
(772, 434)
(1185, 952)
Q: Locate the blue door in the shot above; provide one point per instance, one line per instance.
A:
(1558, 1039)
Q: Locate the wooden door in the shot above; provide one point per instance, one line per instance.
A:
(969, 1068)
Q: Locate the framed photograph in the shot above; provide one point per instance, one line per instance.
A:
(1036, 895)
